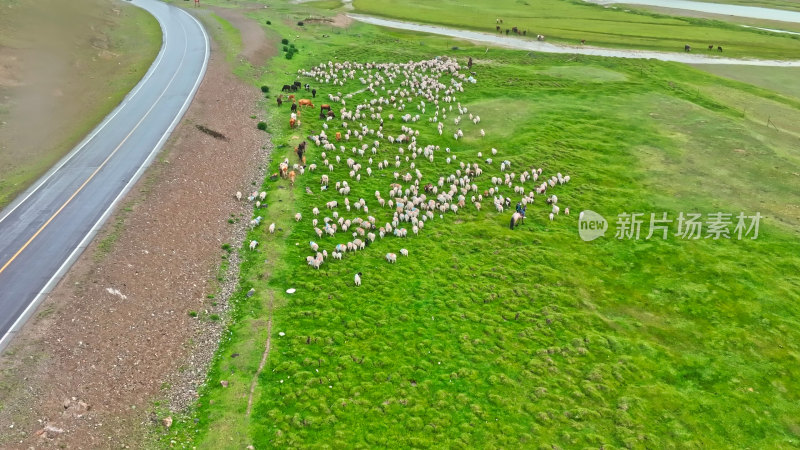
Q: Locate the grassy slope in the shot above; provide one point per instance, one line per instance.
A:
(571, 21)
(779, 79)
(134, 36)
(622, 343)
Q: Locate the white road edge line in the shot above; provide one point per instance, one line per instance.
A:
(6, 339)
(16, 204)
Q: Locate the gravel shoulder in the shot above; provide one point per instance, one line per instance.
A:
(116, 334)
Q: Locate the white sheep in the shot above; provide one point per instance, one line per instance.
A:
(391, 257)
(272, 228)
(253, 245)
(298, 217)
(404, 252)
(357, 279)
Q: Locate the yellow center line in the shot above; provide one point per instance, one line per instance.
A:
(186, 46)
(78, 190)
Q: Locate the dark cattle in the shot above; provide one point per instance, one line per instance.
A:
(497, 27)
(507, 30)
(515, 30)
(279, 100)
(524, 32)
(583, 41)
(687, 48)
(298, 84)
(286, 88)
(294, 107)
(314, 93)
(293, 88)
(711, 47)
(719, 49)
(322, 115)
(469, 63)
(302, 146)
(308, 86)
(331, 114)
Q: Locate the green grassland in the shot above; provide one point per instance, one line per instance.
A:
(487, 337)
(571, 21)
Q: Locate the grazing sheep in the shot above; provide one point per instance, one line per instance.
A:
(391, 258)
(272, 228)
(238, 195)
(357, 279)
(404, 252)
(298, 217)
(253, 245)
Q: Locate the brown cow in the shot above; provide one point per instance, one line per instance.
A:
(292, 176)
(292, 123)
(291, 97)
(338, 136)
(325, 107)
(305, 102)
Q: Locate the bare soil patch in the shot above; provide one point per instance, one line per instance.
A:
(114, 334)
(339, 20)
(256, 48)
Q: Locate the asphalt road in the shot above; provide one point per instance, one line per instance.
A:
(44, 231)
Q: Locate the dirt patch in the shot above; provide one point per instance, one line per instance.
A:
(256, 48)
(117, 330)
(340, 20)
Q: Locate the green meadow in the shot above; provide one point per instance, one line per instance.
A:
(570, 21)
(527, 338)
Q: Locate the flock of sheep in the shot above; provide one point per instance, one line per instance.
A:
(379, 136)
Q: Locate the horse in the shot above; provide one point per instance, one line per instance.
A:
(517, 219)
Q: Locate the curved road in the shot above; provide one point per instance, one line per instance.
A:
(44, 231)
